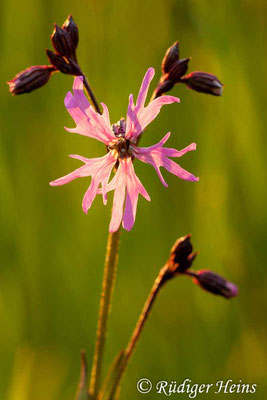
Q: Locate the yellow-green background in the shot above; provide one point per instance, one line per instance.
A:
(52, 254)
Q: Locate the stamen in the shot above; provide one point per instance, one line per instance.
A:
(119, 128)
(122, 147)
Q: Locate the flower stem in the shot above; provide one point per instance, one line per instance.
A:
(91, 94)
(111, 262)
(159, 282)
(110, 269)
(145, 312)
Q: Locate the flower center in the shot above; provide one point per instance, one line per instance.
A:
(119, 128)
(122, 145)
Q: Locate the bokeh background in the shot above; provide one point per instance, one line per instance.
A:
(52, 254)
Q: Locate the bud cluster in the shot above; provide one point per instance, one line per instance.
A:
(65, 41)
(174, 70)
(180, 261)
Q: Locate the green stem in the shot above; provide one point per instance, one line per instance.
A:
(91, 94)
(111, 262)
(159, 282)
(145, 312)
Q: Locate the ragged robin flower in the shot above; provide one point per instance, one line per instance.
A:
(121, 141)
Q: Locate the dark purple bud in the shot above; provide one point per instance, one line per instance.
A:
(61, 41)
(30, 79)
(171, 56)
(215, 284)
(181, 257)
(163, 87)
(178, 69)
(203, 82)
(181, 249)
(72, 29)
(62, 65)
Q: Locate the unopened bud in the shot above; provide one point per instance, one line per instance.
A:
(215, 284)
(61, 41)
(163, 87)
(72, 29)
(30, 79)
(167, 81)
(171, 56)
(181, 257)
(178, 69)
(203, 82)
(62, 65)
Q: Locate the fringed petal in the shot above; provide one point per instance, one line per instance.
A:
(118, 200)
(88, 121)
(139, 116)
(99, 169)
(157, 156)
(134, 188)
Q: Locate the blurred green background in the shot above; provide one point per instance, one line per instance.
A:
(52, 254)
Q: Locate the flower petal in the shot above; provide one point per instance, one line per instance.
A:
(81, 99)
(140, 102)
(77, 173)
(175, 169)
(157, 156)
(101, 177)
(90, 195)
(99, 169)
(177, 153)
(88, 121)
(118, 200)
(149, 113)
(131, 117)
(139, 116)
(134, 188)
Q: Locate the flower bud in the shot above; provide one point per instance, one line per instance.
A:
(215, 284)
(61, 41)
(62, 65)
(181, 257)
(163, 87)
(178, 69)
(72, 29)
(171, 56)
(203, 82)
(30, 79)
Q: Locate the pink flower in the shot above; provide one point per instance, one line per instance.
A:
(121, 141)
